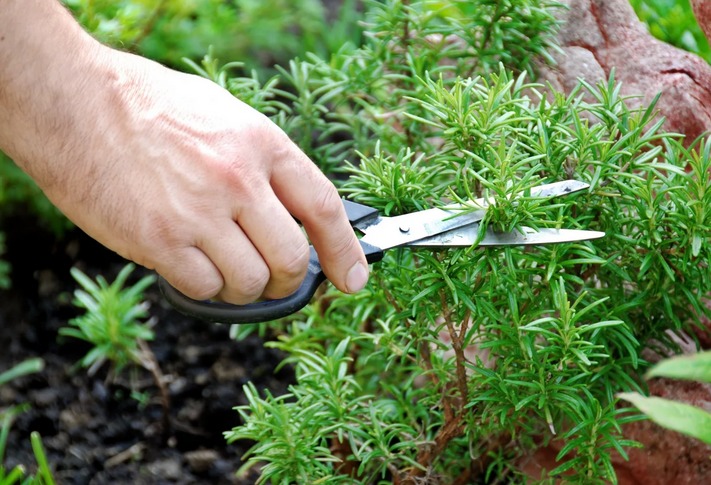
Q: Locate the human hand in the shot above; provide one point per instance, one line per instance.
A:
(174, 173)
(201, 187)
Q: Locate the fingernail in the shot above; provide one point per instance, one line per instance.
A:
(356, 278)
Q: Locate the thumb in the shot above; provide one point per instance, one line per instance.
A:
(313, 199)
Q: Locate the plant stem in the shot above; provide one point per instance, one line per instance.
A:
(150, 363)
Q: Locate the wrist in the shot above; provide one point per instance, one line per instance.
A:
(49, 68)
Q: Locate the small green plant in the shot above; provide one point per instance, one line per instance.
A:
(29, 366)
(454, 364)
(18, 475)
(680, 417)
(112, 324)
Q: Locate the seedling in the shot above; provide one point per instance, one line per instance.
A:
(113, 324)
(112, 319)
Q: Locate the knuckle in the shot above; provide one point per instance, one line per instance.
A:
(193, 280)
(345, 245)
(293, 266)
(327, 203)
(262, 132)
(240, 178)
(284, 154)
(288, 273)
(198, 290)
(158, 230)
(247, 286)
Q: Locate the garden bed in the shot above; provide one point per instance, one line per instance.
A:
(573, 334)
(93, 431)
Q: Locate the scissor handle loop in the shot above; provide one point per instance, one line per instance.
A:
(261, 311)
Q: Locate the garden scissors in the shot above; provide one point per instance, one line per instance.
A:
(433, 228)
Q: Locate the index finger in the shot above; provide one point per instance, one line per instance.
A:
(308, 194)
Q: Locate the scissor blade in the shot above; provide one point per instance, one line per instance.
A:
(555, 189)
(466, 236)
(390, 232)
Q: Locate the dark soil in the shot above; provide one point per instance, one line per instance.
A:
(93, 430)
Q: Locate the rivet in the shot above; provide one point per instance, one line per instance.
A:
(404, 229)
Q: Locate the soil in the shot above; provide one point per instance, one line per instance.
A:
(94, 432)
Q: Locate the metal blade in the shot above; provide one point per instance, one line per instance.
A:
(390, 232)
(555, 189)
(466, 236)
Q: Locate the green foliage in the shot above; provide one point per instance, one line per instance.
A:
(292, 442)
(44, 474)
(673, 21)
(18, 475)
(112, 322)
(455, 361)
(113, 325)
(680, 417)
(684, 418)
(29, 366)
(258, 32)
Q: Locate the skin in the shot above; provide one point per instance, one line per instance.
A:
(167, 169)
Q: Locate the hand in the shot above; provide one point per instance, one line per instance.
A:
(174, 173)
(202, 187)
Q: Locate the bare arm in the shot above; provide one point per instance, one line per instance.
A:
(167, 169)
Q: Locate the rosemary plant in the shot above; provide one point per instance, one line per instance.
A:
(454, 364)
(112, 319)
(113, 325)
(258, 31)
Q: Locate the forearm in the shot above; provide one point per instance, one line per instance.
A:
(165, 168)
(46, 61)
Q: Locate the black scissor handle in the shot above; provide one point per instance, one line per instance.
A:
(262, 311)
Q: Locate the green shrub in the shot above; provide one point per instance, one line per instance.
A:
(453, 364)
(258, 32)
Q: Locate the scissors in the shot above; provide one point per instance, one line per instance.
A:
(433, 228)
